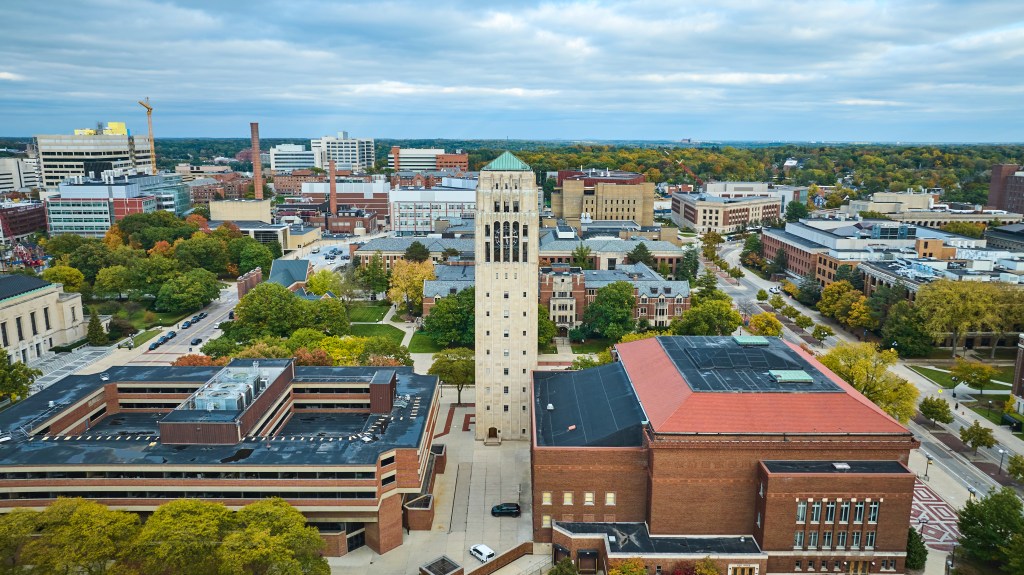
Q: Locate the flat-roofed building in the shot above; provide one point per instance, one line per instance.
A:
(285, 158)
(36, 316)
(90, 153)
(356, 154)
(594, 194)
(706, 213)
(426, 159)
(21, 219)
(743, 449)
(17, 174)
(88, 207)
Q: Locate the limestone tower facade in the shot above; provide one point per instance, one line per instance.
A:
(507, 228)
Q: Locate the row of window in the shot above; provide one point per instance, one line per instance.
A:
(811, 540)
(196, 494)
(844, 511)
(567, 498)
(854, 567)
(32, 323)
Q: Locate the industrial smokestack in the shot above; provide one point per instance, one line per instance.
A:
(334, 189)
(257, 166)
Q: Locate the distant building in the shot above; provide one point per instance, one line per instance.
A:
(921, 209)
(1009, 237)
(90, 153)
(705, 213)
(1006, 189)
(290, 184)
(171, 192)
(355, 154)
(21, 219)
(88, 207)
(285, 158)
(426, 160)
(595, 194)
(371, 196)
(189, 172)
(35, 316)
(235, 185)
(17, 174)
(204, 190)
(418, 211)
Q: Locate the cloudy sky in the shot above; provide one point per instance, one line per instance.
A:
(921, 70)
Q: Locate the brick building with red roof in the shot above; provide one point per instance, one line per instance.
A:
(743, 449)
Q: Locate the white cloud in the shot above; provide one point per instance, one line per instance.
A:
(870, 102)
(11, 76)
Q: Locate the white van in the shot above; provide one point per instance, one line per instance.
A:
(316, 250)
(482, 552)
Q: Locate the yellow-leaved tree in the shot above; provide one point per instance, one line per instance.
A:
(407, 283)
(866, 368)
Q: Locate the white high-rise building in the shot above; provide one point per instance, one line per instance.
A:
(348, 153)
(90, 152)
(17, 173)
(288, 157)
(507, 230)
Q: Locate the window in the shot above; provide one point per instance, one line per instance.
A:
(506, 373)
(812, 540)
(588, 497)
(758, 519)
(816, 512)
(3, 334)
(858, 512)
(796, 567)
(873, 512)
(17, 324)
(840, 539)
(505, 353)
(390, 460)
(32, 322)
(506, 390)
(388, 480)
(506, 295)
(830, 512)
(504, 313)
(567, 498)
(801, 511)
(869, 540)
(810, 564)
(506, 409)
(798, 540)
(545, 498)
(855, 540)
(609, 498)
(545, 521)
(826, 540)
(844, 512)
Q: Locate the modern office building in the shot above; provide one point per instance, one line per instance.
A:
(593, 194)
(706, 213)
(426, 160)
(1009, 237)
(35, 316)
(20, 219)
(355, 154)
(743, 449)
(922, 210)
(416, 211)
(90, 153)
(350, 447)
(88, 207)
(284, 158)
(170, 190)
(507, 227)
(17, 174)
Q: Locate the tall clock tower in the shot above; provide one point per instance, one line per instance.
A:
(507, 228)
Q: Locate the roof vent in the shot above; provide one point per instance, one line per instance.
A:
(790, 376)
(551, 407)
(750, 340)
(611, 539)
(841, 466)
(572, 427)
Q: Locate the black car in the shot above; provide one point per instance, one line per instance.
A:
(196, 341)
(201, 315)
(506, 509)
(231, 314)
(153, 346)
(196, 318)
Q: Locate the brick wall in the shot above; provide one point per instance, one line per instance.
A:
(499, 561)
(386, 533)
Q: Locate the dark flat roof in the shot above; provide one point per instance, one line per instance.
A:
(17, 284)
(598, 404)
(837, 466)
(634, 538)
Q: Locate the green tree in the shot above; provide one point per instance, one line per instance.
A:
(917, 553)
(269, 309)
(546, 329)
(223, 346)
(255, 256)
(846, 272)
(765, 324)
(270, 348)
(712, 317)
(63, 245)
(90, 257)
(866, 368)
(452, 320)
(986, 525)
(95, 334)
(762, 295)
(779, 263)
(203, 251)
(640, 254)
(1015, 467)
(417, 252)
(977, 435)
(455, 367)
(564, 567)
(328, 315)
(795, 211)
(776, 301)
(951, 307)
(587, 362)
(182, 536)
(379, 350)
(969, 229)
(802, 321)
(80, 536)
(936, 409)
(822, 332)
(67, 275)
(16, 378)
(611, 312)
(904, 331)
(150, 274)
(323, 281)
(581, 257)
(190, 291)
(752, 245)
(709, 244)
(836, 300)
(789, 311)
(113, 280)
(374, 276)
(975, 374)
(809, 290)
(687, 268)
(449, 253)
(304, 337)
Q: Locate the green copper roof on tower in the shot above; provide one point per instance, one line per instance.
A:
(506, 162)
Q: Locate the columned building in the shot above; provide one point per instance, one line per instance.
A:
(507, 229)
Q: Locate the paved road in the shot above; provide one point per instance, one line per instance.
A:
(206, 329)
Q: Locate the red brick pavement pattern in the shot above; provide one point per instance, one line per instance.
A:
(470, 419)
(447, 423)
(940, 532)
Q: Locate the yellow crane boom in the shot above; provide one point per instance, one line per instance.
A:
(152, 144)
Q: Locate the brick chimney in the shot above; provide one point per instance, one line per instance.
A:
(257, 166)
(394, 152)
(333, 176)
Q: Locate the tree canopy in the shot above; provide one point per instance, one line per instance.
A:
(452, 320)
(455, 367)
(15, 378)
(866, 368)
(417, 252)
(611, 312)
(711, 317)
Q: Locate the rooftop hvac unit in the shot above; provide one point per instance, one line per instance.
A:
(551, 407)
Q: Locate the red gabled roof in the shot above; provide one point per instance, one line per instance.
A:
(672, 406)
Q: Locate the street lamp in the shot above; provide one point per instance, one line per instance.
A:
(927, 465)
(1002, 454)
(921, 523)
(990, 409)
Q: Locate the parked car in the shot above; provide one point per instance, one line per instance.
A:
(506, 509)
(196, 341)
(163, 339)
(186, 324)
(316, 250)
(172, 334)
(195, 319)
(482, 552)
(153, 346)
(775, 289)
(231, 314)
(202, 315)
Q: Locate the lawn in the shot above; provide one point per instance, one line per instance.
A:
(145, 336)
(139, 314)
(594, 345)
(1005, 374)
(547, 349)
(939, 377)
(1001, 352)
(378, 330)
(421, 343)
(981, 406)
(367, 312)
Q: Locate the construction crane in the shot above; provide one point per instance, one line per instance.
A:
(152, 144)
